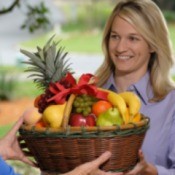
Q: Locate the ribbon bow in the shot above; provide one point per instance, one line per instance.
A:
(85, 85)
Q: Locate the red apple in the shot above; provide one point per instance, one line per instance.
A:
(90, 120)
(80, 120)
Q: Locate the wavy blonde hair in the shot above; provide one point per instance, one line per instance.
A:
(149, 21)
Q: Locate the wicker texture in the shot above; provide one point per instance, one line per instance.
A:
(62, 151)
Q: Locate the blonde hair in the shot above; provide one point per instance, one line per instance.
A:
(150, 22)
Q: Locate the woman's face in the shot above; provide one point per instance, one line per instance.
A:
(128, 50)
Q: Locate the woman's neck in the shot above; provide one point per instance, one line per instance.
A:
(123, 81)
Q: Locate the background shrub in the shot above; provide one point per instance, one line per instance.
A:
(87, 16)
(7, 85)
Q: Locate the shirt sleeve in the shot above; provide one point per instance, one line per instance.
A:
(6, 169)
(171, 155)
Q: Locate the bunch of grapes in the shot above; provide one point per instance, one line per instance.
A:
(83, 104)
(43, 103)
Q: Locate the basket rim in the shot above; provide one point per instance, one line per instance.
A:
(143, 122)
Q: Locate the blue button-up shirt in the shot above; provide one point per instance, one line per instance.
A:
(5, 169)
(159, 143)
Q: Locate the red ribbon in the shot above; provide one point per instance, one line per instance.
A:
(85, 85)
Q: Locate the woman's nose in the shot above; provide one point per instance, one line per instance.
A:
(121, 46)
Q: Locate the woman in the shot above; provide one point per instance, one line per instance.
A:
(138, 58)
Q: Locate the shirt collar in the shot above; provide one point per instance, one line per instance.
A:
(142, 88)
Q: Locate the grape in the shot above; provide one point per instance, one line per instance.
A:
(83, 104)
(88, 109)
(79, 110)
(85, 113)
(76, 103)
(43, 103)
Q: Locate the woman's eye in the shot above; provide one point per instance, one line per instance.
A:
(133, 38)
(114, 36)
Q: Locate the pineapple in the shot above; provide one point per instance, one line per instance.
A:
(47, 65)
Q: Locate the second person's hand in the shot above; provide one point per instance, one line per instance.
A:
(10, 148)
(92, 168)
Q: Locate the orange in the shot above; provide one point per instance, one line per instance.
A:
(100, 107)
(40, 124)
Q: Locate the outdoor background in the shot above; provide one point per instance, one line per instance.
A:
(25, 24)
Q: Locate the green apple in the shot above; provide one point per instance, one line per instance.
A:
(114, 116)
(110, 117)
(103, 121)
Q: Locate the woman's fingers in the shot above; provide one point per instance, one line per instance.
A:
(140, 167)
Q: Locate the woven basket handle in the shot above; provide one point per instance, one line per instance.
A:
(68, 110)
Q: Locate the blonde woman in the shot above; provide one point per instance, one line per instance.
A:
(138, 58)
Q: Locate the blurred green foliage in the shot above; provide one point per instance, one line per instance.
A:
(23, 169)
(87, 16)
(169, 16)
(36, 18)
(14, 85)
(7, 85)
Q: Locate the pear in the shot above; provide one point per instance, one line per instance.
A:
(53, 115)
(110, 117)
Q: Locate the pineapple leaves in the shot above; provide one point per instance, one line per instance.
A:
(40, 53)
(48, 64)
(47, 45)
(51, 52)
(34, 59)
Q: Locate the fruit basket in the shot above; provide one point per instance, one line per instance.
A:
(58, 143)
(61, 150)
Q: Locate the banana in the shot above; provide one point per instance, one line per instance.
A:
(136, 118)
(117, 101)
(132, 101)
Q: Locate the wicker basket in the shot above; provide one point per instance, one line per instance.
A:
(61, 150)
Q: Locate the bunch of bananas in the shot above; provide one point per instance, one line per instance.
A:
(127, 103)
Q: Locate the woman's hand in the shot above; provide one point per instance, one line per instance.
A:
(92, 168)
(10, 148)
(143, 167)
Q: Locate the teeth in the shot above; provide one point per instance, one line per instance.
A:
(123, 57)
